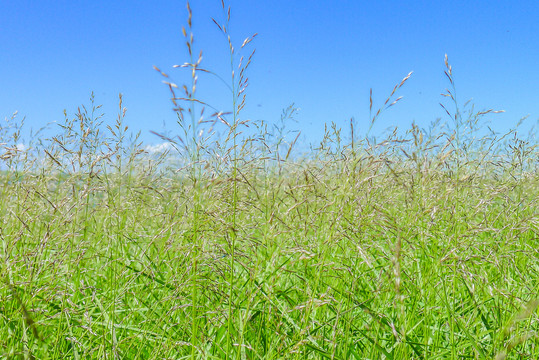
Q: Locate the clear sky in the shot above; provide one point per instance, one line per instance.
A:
(324, 56)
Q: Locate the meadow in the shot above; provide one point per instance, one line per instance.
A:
(234, 244)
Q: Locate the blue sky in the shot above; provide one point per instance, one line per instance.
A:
(323, 56)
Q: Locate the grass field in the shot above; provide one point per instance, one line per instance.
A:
(422, 245)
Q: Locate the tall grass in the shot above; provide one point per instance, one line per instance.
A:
(232, 244)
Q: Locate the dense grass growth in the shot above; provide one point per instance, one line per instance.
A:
(421, 246)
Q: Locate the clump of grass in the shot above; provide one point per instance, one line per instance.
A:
(417, 246)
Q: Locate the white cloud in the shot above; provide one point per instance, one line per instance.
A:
(158, 148)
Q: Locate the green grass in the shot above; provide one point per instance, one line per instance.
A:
(423, 245)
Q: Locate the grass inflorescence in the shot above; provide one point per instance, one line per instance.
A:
(230, 244)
